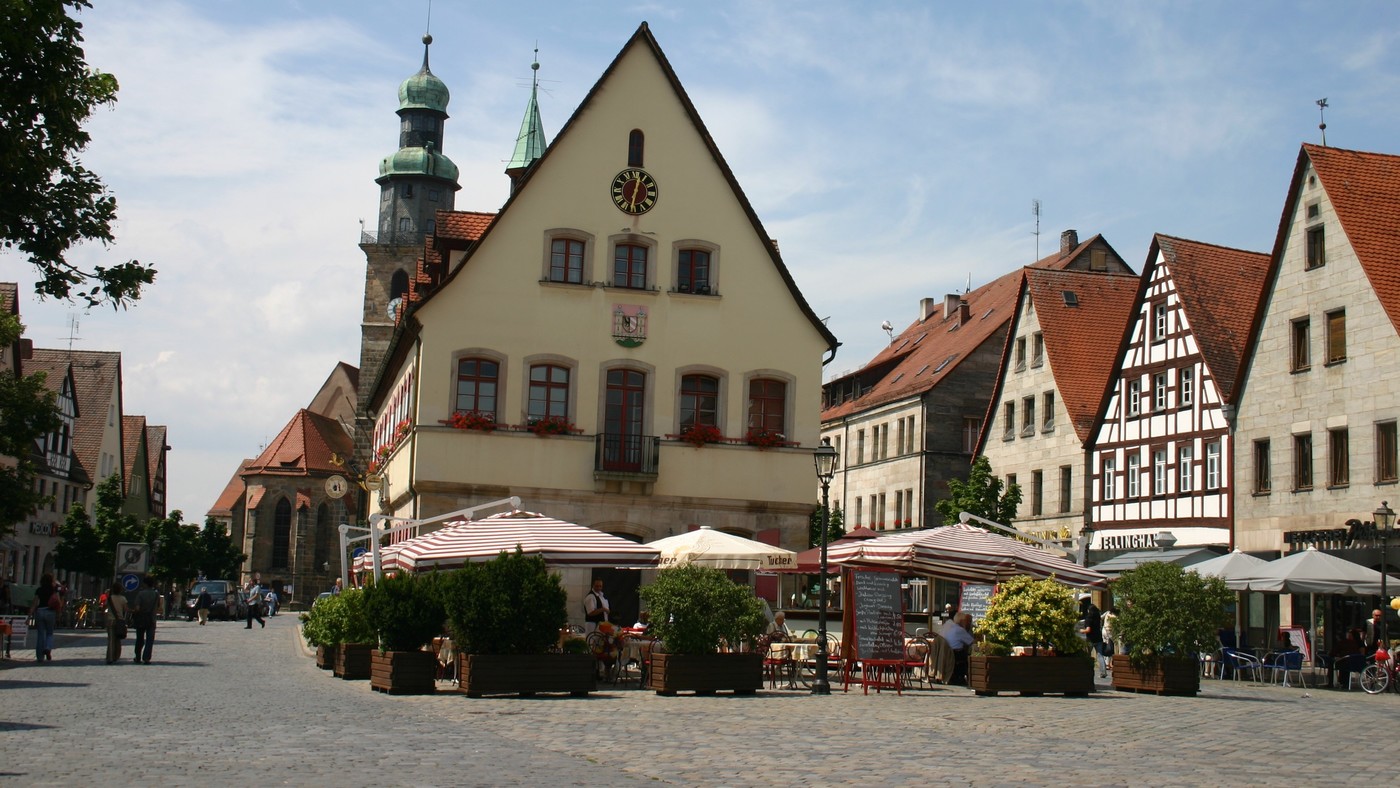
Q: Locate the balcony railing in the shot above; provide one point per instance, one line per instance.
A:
(405, 238)
(628, 454)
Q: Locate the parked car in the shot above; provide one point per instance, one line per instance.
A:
(229, 603)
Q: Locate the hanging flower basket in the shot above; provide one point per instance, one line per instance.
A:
(764, 439)
(551, 425)
(700, 434)
(472, 420)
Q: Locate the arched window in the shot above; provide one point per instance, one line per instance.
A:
(699, 400)
(477, 380)
(549, 391)
(322, 549)
(636, 144)
(630, 266)
(767, 404)
(398, 285)
(281, 533)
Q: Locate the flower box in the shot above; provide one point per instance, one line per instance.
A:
(1160, 676)
(472, 420)
(551, 425)
(352, 661)
(705, 674)
(764, 439)
(325, 656)
(403, 672)
(525, 674)
(700, 434)
(1030, 675)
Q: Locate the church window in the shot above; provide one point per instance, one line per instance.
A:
(398, 284)
(407, 191)
(281, 533)
(636, 142)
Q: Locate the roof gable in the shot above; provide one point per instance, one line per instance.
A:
(303, 447)
(97, 386)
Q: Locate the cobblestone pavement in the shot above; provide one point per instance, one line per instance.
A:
(222, 705)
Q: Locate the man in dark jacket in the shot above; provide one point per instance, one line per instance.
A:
(1092, 630)
(143, 618)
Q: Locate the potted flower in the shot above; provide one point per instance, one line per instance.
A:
(1166, 616)
(550, 425)
(700, 434)
(402, 429)
(406, 612)
(764, 439)
(348, 627)
(1035, 621)
(472, 420)
(695, 609)
(505, 616)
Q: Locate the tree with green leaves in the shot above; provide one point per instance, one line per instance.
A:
(49, 201)
(113, 526)
(835, 528)
(178, 559)
(982, 494)
(219, 557)
(27, 413)
(80, 548)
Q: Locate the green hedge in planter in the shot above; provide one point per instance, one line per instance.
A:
(694, 608)
(1165, 610)
(508, 605)
(405, 610)
(338, 619)
(1026, 612)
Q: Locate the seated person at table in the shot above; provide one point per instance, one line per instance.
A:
(958, 632)
(1349, 659)
(643, 622)
(777, 628)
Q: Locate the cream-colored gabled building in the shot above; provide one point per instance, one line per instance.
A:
(625, 292)
(1053, 376)
(1316, 441)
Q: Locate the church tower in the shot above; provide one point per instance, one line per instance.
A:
(415, 182)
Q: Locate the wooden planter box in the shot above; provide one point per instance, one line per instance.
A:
(1030, 675)
(705, 674)
(525, 674)
(1164, 677)
(352, 661)
(403, 672)
(325, 657)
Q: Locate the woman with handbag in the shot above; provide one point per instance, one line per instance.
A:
(44, 611)
(116, 622)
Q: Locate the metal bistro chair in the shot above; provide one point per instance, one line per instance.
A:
(1285, 662)
(917, 653)
(776, 662)
(605, 651)
(1240, 662)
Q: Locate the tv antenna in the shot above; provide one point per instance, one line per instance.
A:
(1035, 209)
(1322, 119)
(72, 331)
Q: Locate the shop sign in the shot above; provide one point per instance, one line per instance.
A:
(43, 529)
(1355, 534)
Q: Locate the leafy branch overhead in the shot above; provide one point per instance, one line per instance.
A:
(49, 201)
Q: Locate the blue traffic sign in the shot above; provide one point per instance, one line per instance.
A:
(357, 552)
(131, 582)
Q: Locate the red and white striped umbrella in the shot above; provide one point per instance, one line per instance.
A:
(962, 552)
(560, 543)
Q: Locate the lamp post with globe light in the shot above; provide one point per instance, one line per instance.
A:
(826, 460)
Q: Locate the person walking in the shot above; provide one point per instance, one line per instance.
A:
(255, 601)
(44, 610)
(202, 605)
(144, 609)
(1092, 623)
(116, 621)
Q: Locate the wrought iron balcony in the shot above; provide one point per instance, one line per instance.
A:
(627, 455)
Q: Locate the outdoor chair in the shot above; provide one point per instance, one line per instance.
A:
(777, 664)
(917, 653)
(941, 659)
(1240, 662)
(1284, 662)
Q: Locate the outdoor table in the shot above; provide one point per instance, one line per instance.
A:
(882, 674)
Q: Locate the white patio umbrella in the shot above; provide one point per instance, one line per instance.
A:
(962, 552)
(1228, 567)
(560, 543)
(719, 550)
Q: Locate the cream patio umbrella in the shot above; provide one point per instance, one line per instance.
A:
(1230, 567)
(719, 550)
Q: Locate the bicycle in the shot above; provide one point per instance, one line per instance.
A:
(1380, 675)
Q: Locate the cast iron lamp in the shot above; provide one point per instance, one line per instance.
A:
(826, 460)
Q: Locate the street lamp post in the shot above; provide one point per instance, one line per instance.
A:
(826, 460)
(1385, 519)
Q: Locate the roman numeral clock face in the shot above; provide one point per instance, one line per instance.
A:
(634, 191)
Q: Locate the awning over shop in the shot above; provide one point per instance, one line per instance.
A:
(1181, 556)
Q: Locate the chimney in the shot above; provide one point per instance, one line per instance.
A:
(950, 305)
(964, 312)
(926, 306)
(1068, 240)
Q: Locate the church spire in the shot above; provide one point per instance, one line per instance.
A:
(530, 143)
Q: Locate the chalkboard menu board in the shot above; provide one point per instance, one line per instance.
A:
(975, 598)
(879, 615)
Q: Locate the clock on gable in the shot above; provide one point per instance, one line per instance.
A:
(634, 191)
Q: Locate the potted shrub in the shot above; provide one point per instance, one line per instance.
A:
(1034, 620)
(694, 609)
(1166, 617)
(348, 628)
(406, 612)
(505, 616)
(319, 627)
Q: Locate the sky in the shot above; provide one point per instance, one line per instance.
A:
(893, 149)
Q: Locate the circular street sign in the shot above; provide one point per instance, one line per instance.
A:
(131, 582)
(373, 482)
(337, 486)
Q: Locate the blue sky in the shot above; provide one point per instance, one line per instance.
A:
(892, 148)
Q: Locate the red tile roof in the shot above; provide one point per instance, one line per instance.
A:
(463, 225)
(155, 449)
(96, 373)
(930, 349)
(9, 297)
(303, 447)
(1079, 339)
(1220, 289)
(133, 435)
(232, 494)
(1365, 192)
